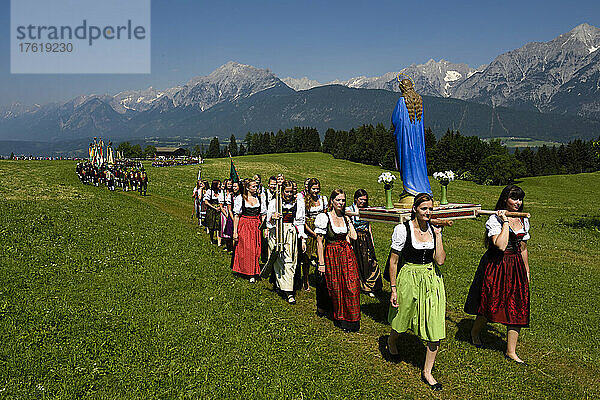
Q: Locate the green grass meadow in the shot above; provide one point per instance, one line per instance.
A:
(113, 295)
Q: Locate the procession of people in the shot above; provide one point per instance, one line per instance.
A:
(289, 236)
(125, 176)
(285, 235)
(326, 238)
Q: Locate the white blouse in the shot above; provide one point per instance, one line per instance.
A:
(299, 221)
(225, 198)
(237, 205)
(494, 226)
(399, 238)
(321, 225)
(320, 207)
(270, 196)
(208, 195)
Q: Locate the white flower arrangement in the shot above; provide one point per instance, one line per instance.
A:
(444, 177)
(387, 178)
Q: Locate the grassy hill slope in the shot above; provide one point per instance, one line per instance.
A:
(111, 295)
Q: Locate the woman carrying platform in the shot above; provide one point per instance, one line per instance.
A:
(418, 299)
(500, 288)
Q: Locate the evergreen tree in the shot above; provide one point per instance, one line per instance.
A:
(430, 149)
(197, 151)
(125, 149)
(265, 143)
(500, 169)
(279, 144)
(233, 147)
(313, 140)
(329, 141)
(149, 151)
(248, 142)
(136, 151)
(241, 150)
(214, 148)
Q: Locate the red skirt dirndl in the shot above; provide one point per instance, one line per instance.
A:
(500, 290)
(247, 250)
(343, 281)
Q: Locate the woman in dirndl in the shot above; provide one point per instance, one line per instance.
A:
(338, 262)
(225, 199)
(213, 211)
(248, 210)
(197, 195)
(203, 207)
(500, 288)
(293, 216)
(315, 204)
(364, 249)
(418, 299)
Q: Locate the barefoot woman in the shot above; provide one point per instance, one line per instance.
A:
(500, 289)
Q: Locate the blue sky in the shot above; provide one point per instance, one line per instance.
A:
(322, 40)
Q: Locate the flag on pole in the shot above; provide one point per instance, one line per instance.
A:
(233, 175)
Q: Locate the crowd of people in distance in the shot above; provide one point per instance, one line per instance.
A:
(125, 175)
(178, 161)
(325, 236)
(38, 158)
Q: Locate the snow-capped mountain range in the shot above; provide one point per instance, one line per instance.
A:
(537, 74)
(561, 76)
(434, 78)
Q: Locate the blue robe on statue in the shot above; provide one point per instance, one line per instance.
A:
(410, 150)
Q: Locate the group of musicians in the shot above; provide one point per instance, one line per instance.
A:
(303, 229)
(125, 176)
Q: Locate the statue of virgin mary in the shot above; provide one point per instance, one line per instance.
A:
(407, 121)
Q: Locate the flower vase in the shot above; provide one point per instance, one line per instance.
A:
(388, 197)
(444, 199)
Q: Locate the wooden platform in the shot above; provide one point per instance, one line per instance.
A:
(399, 215)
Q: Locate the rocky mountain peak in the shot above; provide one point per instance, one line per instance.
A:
(229, 82)
(530, 76)
(303, 83)
(585, 33)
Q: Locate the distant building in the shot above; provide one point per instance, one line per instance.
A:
(170, 152)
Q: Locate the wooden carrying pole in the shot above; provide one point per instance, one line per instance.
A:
(508, 213)
(441, 215)
(441, 222)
